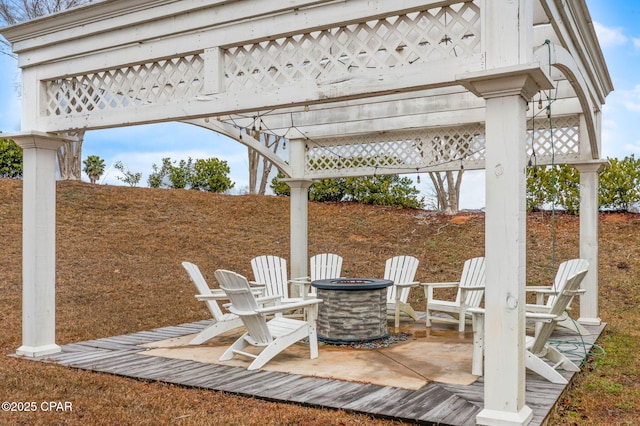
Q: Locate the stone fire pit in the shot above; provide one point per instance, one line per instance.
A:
(353, 309)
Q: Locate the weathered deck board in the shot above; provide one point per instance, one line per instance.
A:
(433, 403)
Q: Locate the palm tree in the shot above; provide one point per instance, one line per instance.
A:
(93, 167)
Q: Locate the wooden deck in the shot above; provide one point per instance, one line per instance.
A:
(435, 403)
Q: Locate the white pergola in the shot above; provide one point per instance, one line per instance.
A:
(358, 87)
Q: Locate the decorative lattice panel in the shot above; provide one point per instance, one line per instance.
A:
(436, 149)
(150, 83)
(563, 142)
(402, 40)
(444, 148)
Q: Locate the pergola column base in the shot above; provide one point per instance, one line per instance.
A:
(504, 418)
(36, 351)
(589, 321)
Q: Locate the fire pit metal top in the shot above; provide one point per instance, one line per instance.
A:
(351, 284)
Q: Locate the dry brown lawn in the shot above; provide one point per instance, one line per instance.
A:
(118, 271)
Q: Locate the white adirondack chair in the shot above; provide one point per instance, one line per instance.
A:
(470, 292)
(322, 267)
(537, 347)
(271, 272)
(325, 266)
(272, 336)
(566, 269)
(222, 322)
(402, 271)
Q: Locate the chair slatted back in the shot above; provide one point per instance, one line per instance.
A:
(271, 271)
(473, 275)
(325, 266)
(400, 270)
(565, 270)
(560, 304)
(203, 288)
(244, 304)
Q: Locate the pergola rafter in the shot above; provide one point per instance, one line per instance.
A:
(358, 87)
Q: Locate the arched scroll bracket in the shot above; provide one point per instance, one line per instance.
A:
(247, 140)
(560, 58)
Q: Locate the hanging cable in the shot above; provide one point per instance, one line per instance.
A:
(553, 170)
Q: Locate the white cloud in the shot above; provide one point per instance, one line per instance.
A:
(632, 99)
(609, 37)
(636, 43)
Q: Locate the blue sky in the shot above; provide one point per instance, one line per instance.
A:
(617, 25)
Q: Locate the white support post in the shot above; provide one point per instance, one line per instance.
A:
(589, 240)
(506, 37)
(505, 242)
(505, 252)
(299, 208)
(589, 227)
(38, 242)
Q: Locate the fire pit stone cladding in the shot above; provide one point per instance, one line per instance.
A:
(353, 309)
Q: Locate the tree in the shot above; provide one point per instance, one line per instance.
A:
(130, 178)
(69, 155)
(171, 175)
(211, 175)
(258, 185)
(205, 175)
(447, 188)
(93, 167)
(556, 186)
(158, 176)
(10, 159)
(620, 184)
(386, 190)
(559, 186)
(181, 175)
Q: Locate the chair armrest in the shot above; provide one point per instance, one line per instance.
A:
(476, 311)
(304, 287)
(539, 316)
(300, 280)
(263, 299)
(411, 284)
(441, 285)
(212, 296)
(218, 294)
(533, 307)
(578, 292)
(472, 288)
(288, 306)
(542, 289)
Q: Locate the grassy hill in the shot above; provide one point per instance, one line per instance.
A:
(118, 271)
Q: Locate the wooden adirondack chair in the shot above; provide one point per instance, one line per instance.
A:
(470, 292)
(566, 269)
(322, 266)
(537, 347)
(402, 271)
(222, 321)
(272, 336)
